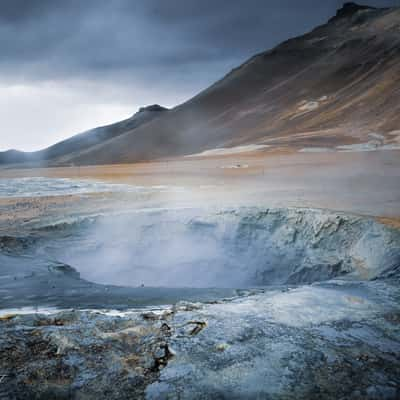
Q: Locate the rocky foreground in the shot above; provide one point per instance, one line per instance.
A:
(338, 340)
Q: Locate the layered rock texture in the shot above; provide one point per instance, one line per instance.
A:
(239, 248)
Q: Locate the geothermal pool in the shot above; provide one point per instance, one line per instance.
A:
(191, 252)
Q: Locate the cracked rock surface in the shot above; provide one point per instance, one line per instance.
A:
(337, 340)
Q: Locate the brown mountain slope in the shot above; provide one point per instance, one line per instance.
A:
(337, 85)
(334, 85)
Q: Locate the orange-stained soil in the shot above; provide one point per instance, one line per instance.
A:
(365, 183)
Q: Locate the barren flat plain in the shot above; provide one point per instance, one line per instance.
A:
(360, 182)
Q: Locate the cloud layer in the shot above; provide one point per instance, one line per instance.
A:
(68, 65)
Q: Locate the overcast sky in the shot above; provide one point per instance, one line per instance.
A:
(67, 66)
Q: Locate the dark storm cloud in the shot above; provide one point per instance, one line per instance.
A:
(70, 65)
(146, 40)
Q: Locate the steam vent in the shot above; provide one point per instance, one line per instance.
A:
(241, 243)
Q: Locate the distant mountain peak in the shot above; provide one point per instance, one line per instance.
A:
(153, 107)
(349, 8)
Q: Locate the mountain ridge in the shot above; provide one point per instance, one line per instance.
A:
(83, 140)
(334, 85)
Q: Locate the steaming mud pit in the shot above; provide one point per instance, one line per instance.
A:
(196, 303)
